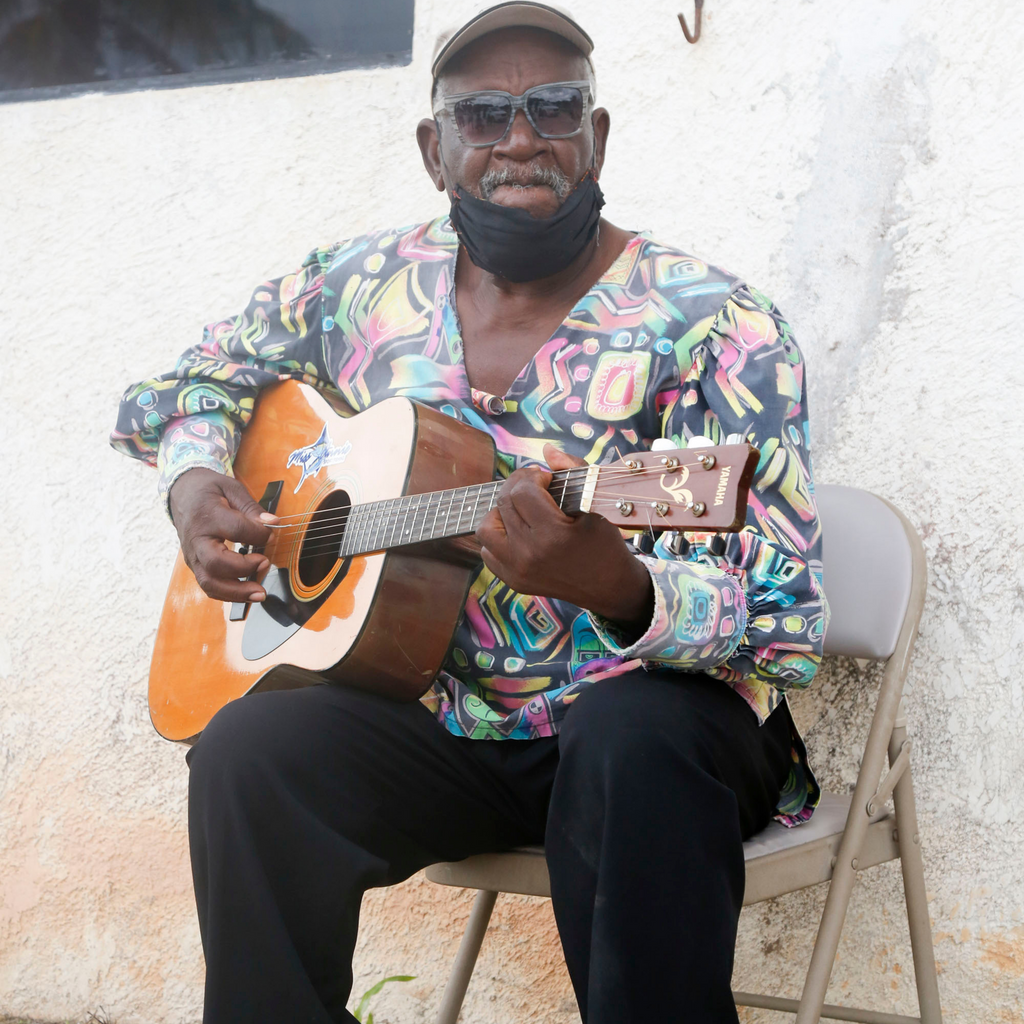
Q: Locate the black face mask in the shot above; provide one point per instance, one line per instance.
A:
(508, 242)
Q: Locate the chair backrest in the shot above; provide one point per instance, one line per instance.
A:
(868, 566)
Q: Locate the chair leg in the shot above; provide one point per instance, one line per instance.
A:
(912, 863)
(830, 928)
(465, 959)
(844, 875)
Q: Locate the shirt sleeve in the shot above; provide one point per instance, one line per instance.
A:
(193, 416)
(746, 607)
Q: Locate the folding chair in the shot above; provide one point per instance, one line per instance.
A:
(875, 576)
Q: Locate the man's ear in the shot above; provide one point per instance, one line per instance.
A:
(601, 120)
(430, 150)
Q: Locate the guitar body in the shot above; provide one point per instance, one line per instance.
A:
(380, 621)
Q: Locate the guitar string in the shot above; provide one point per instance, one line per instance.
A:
(371, 530)
(612, 470)
(367, 518)
(332, 525)
(330, 544)
(381, 516)
(406, 504)
(368, 549)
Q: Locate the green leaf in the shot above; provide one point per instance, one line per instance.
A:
(371, 992)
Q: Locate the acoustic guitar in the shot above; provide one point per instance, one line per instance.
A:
(373, 556)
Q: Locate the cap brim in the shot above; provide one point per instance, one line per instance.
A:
(520, 14)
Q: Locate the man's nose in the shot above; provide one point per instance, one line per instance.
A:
(521, 142)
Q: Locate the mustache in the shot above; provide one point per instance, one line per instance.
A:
(528, 176)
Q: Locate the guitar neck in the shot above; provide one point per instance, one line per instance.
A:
(417, 518)
(675, 489)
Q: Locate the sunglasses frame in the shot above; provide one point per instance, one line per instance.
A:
(518, 103)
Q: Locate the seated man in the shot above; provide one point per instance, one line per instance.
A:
(625, 710)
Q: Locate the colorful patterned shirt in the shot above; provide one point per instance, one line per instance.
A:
(663, 345)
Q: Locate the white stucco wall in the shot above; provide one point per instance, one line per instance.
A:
(861, 163)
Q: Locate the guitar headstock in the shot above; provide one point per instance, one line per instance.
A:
(690, 489)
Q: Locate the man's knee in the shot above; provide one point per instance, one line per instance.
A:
(236, 744)
(629, 720)
(320, 743)
(257, 735)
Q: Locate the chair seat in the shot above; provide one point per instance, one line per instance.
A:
(779, 859)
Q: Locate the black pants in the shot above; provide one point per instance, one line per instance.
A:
(301, 800)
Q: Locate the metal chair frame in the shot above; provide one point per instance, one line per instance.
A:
(871, 835)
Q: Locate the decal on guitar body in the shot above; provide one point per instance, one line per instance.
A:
(315, 456)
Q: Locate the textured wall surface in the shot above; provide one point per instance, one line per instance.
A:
(861, 163)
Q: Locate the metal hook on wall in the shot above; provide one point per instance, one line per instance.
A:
(698, 6)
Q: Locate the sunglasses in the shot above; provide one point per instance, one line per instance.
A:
(555, 111)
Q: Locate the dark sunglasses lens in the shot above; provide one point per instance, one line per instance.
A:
(556, 111)
(483, 119)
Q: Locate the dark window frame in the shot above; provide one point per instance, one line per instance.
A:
(224, 76)
(256, 72)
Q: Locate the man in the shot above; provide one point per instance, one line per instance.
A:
(632, 703)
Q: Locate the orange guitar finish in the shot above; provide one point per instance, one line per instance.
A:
(387, 622)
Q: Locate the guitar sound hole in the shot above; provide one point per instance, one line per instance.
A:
(323, 538)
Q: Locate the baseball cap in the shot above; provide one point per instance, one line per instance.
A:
(512, 14)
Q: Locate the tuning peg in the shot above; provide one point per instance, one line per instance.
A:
(643, 543)
(675, 543)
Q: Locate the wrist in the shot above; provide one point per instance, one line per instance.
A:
(176, 491)
(628, 600)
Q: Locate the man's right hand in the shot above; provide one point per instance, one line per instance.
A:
(208, 510)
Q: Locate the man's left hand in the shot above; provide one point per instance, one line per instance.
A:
(530, 544)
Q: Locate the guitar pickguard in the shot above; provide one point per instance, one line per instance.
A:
(280, 615)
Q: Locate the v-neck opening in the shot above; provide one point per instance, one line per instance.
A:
(496, 401)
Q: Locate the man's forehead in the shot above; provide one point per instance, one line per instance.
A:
(514, 55)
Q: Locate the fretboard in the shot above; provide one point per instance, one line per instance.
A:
(415, 518)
